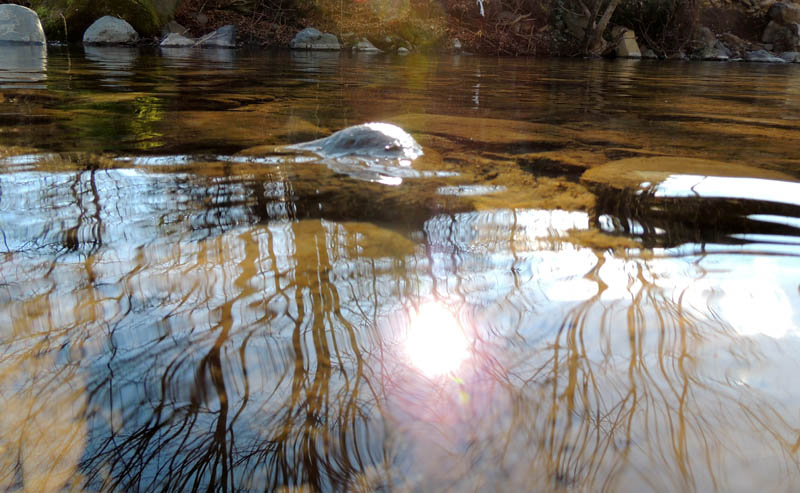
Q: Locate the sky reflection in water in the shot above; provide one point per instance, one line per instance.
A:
(200, 318)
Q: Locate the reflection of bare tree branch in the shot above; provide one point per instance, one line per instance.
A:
(237, 345)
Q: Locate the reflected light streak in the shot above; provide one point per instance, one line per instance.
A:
(757, 308)
(729, 187)
(436, 343)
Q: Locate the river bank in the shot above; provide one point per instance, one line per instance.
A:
(671, 29)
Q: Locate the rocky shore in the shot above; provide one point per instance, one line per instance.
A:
(771, 32)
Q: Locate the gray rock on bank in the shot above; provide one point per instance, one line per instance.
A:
(20, 24)
(762, 56)
(224, 37)
(364, 45)
(312, 39)
(791, 56)
(109, 30)
(175, 40)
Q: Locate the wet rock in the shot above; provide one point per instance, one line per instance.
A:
(364, 45)
(627, 46)
(402, 50)
(19, 24)
(224, 37)
(762, 56)
(110, 30)
(791, 56)
(374, 140)
(312, 39)
(175, 40)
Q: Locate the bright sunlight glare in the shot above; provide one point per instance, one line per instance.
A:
(436, 343)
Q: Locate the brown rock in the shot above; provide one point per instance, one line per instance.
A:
(773, 32)
(735, 44)
(785, 13)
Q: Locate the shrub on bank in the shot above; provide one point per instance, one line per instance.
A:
(665, 26)
(507, 27)
(68, 19)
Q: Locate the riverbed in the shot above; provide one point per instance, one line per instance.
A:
(589, 281)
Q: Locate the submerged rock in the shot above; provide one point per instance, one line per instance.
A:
(373, 140)
(631, 173)
(19, 24)
(312, 39)
(110, 30)
(668, 201)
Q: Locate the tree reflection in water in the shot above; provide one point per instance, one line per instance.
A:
(222, 341)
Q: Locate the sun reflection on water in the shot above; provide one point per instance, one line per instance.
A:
(436, 343)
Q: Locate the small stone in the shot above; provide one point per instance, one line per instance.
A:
(110, 30)
(402, 50)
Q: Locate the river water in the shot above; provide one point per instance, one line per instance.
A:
(588, 282)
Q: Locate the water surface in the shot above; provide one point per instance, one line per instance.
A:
(588, 282)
